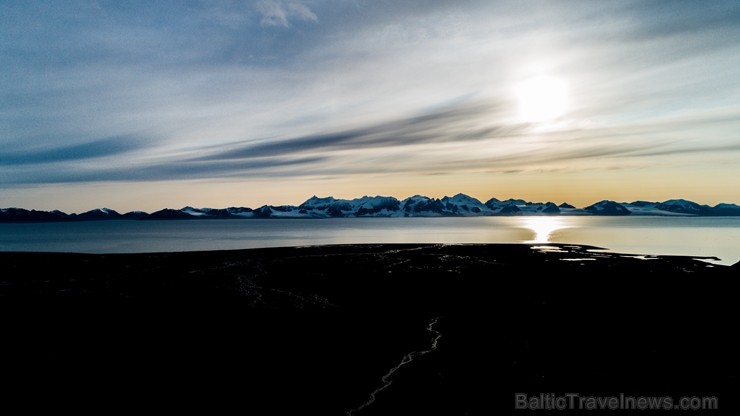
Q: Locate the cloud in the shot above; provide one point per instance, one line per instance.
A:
(105, 147)
(279, 13)
(301, 11)
(375, 89)
(190, 169)
(668, 18)
(57, 172)
(692, 150)
(464, 136)
(456, 124)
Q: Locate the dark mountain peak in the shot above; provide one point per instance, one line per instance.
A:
(417, 196)
(135, 215)
(726, 209)
(99, 214)
(512, 201)
(550, 208)
(683, 206)
(238, 210)
(421, 204)
(168, 214)
(510, 209)
(318, 203)
(607, 207)
(24, 215)
(375, 205)
(460, 196)
(643, 203)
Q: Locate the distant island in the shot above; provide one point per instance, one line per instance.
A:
(460, 205)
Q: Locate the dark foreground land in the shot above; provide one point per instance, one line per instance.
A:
(365, 329)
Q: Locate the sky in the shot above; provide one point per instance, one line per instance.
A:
(141, 105)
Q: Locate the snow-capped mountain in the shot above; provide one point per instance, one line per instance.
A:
(680, 207)
(459, 205)
(382, 206)
(466, 205)
(421, 206)
(377, 206)
(521, 207)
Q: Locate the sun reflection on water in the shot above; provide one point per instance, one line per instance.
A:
(543, 227)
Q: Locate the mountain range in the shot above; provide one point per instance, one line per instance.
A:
(460, 205)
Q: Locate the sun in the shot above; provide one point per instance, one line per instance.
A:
(541, 99)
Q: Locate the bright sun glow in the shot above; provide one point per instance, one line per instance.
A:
(543, 227)
(541, 99)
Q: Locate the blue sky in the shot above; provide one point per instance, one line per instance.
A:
(148, 104)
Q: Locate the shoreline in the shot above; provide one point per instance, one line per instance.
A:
(82, 273)
(318, 328)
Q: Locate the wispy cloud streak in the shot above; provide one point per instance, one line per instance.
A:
(107, 147)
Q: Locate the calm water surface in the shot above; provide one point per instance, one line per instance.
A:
(712, 236)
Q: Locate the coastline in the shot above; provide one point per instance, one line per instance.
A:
(316, 328)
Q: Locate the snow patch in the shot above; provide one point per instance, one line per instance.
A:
(193, 211)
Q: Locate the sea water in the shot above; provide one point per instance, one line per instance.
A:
(693, 236)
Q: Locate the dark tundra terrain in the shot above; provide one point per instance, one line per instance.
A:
(362, 329)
